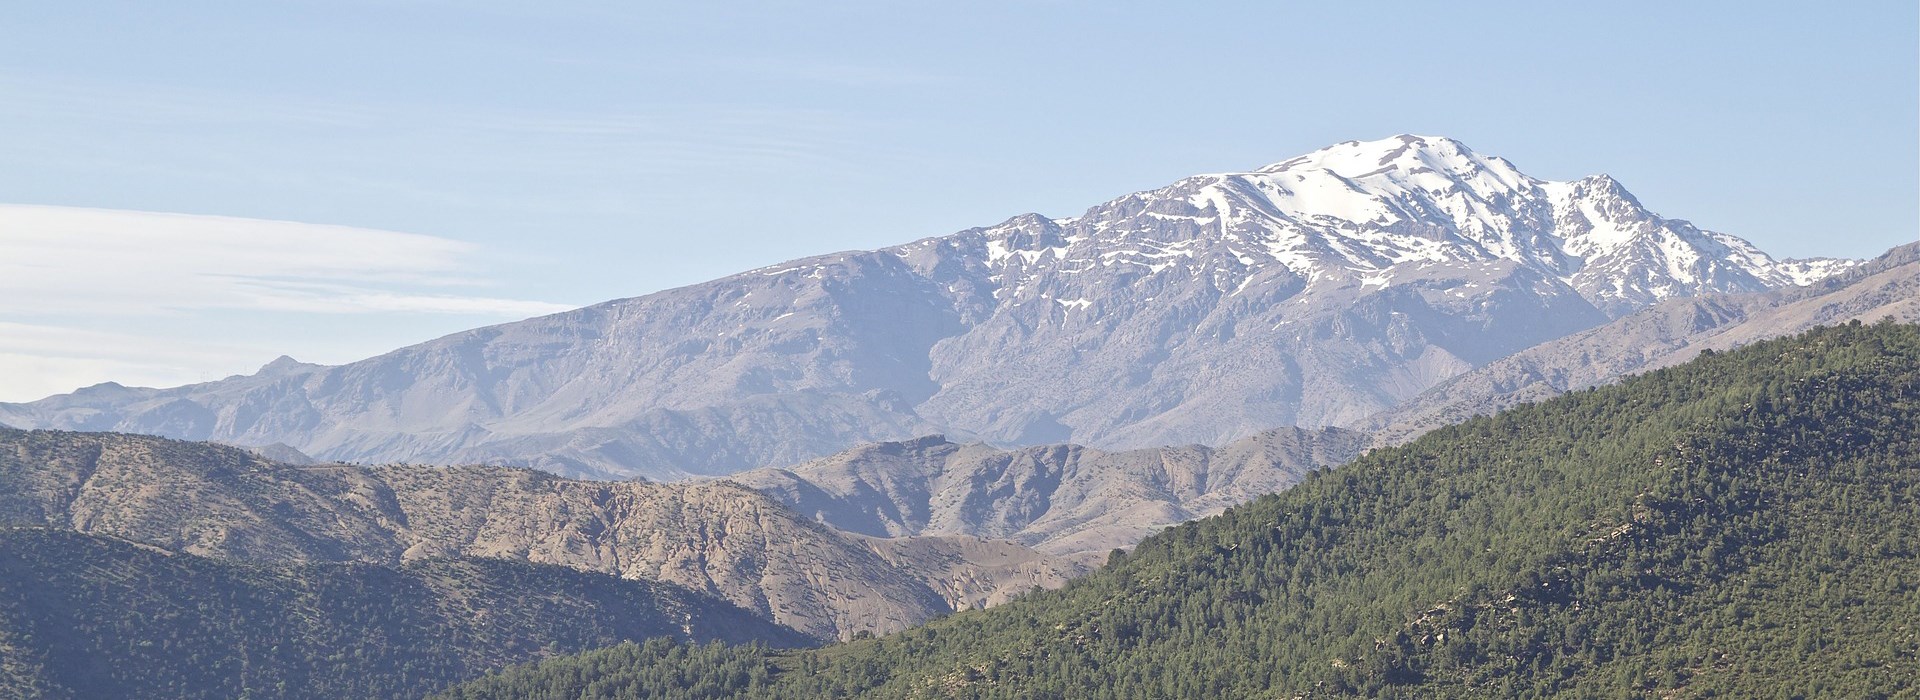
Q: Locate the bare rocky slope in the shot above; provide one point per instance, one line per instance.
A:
(1316, 291)
(1663, 335)
(1065, 500)
(712, 537)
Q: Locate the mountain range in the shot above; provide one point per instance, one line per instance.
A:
(1317, 291)
(861, 443)
(1075, 501)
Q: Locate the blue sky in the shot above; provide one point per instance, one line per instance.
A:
(569, 153)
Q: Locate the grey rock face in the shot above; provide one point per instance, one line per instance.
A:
(1663, 335)
(1317, 291)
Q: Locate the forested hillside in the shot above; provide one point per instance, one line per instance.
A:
(1743, 525)
(92, 617)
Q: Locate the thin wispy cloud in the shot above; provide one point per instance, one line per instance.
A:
(784, 69)
(65, 260)
(657, 136)
(61, 96)
(68, 274)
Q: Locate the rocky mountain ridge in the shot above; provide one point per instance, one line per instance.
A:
(1065, 500)
(712, 537)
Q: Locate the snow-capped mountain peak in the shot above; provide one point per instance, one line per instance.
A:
(1352, 212)
(1402, 154)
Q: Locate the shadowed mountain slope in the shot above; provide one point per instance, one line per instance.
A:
(91, 617)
